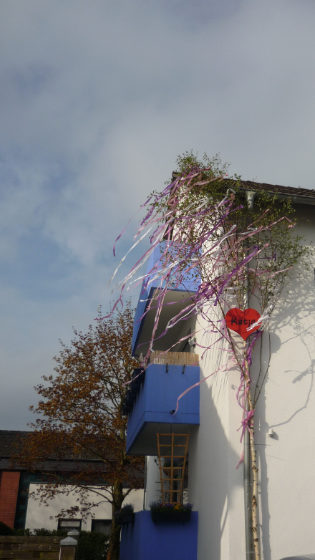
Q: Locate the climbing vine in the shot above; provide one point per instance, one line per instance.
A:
(237, 241)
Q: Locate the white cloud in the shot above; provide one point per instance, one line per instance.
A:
(98, 99)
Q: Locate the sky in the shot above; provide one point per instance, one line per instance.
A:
(97, 99)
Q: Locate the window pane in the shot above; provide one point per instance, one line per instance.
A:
(69, 524)
(102, 526)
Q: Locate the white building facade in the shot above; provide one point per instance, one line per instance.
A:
(39, 515)
(210, 417)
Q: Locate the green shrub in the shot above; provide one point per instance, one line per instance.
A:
(42, 532)
(47, 532)
(5, 530)
(125, 515)
(92, 546)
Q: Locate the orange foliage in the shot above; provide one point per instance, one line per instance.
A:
(79, 417)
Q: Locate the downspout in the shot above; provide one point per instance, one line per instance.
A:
(247, 498)
(250, 195)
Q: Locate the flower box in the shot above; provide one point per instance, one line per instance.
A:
(170, 513)
(170, 516)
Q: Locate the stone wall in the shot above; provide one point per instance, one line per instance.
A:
(29, 548)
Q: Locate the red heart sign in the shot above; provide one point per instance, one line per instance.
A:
(240, 321)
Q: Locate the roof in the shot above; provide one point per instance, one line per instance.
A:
(297, 194)
(12, 440)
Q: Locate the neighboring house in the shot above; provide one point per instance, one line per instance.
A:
(99, 519)
(20, 510)
(204, 432)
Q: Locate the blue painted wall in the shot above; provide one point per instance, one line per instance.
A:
(158, 396)
(145, 540)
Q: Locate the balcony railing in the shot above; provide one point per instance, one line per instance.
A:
(177, 298)
(145, 539)
(174, 358)
(152, 399)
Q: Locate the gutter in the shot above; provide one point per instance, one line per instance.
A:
(250, 196)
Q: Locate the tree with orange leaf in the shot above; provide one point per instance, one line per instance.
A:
(80, 417)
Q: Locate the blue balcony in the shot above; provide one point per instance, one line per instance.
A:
(145, 540)
(177, 299)
(151, 408)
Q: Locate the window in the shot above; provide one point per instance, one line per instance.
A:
(69, 524)
(102, 526)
